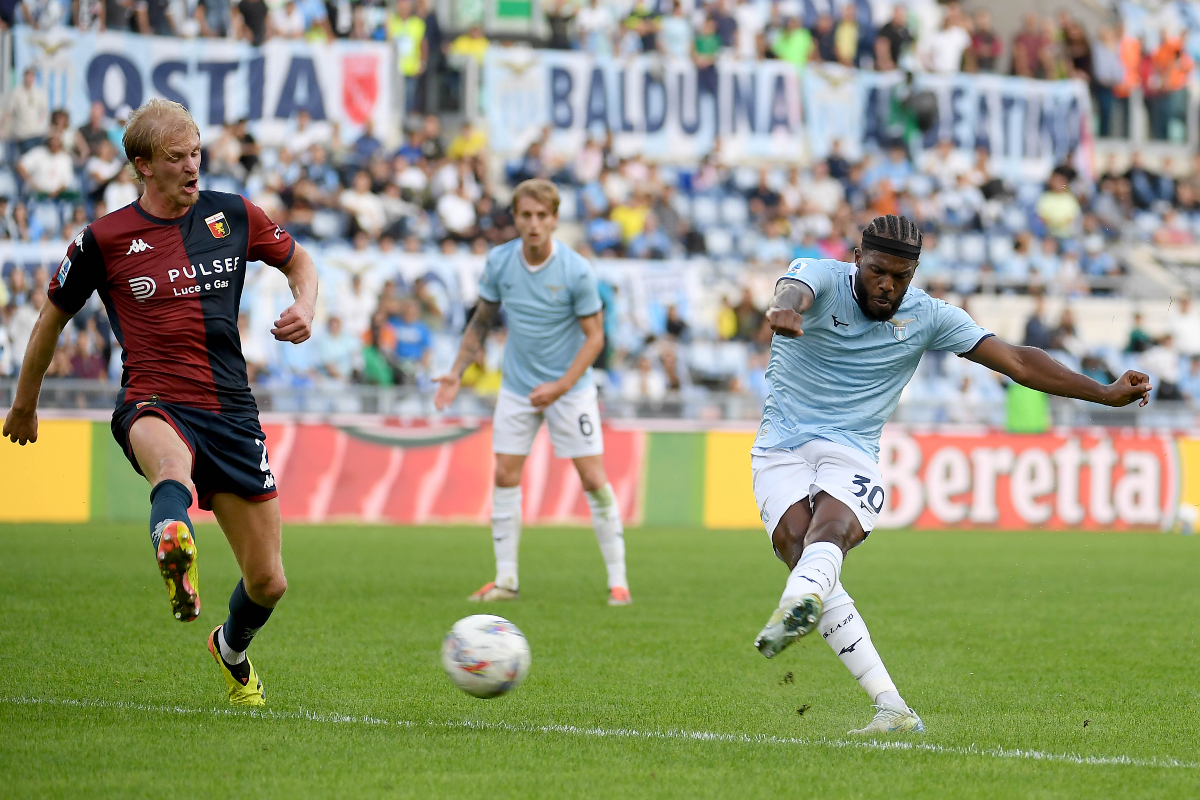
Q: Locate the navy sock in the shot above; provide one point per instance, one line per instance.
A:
(245, 618)
(169, 500)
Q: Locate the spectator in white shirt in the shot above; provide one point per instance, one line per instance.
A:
(457, 213)
(1183, 322)
(355, 306)
(102, 167)
(366, 206)
(596, 27)
(942, 51)
(121, 191)
(826, 194)
(338, 353)
(944, 164)
(47, 170)
(28, 113)
(287, 21)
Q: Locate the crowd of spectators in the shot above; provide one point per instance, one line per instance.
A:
(435, 198)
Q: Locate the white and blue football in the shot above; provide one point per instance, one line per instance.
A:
(485, 655)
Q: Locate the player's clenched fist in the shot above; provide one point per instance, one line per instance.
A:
(785, 321)
(294, 324)
(1129, 387)
(21, 426)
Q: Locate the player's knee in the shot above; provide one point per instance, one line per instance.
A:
(833, 531)
(267, 587)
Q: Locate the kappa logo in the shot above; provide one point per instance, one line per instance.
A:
(142, 288)
(138, 246)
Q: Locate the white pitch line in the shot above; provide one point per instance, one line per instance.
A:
(572, 730)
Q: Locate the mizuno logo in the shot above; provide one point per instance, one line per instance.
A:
(836, 323)
(142, 288)
(138, 246)
(849, 648)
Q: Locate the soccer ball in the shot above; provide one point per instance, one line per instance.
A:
(485, 655)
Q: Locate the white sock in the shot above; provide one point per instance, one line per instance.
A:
(816, 573)
(606, 519)
(506, 534)
(228, 654)
(844, 630)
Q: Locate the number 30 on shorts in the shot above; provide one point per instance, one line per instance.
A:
(874, 494)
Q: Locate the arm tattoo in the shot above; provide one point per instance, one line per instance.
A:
(476, 334)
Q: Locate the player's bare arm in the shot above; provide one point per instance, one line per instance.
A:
(295, 323)
(593, 329)
(786, 314)
(1034, 368)
(472, 342)
(21, 425)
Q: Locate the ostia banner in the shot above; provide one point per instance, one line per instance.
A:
(368, 470)
(219, 80)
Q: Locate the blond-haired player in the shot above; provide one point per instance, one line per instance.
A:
(170, 269)
(555, 331)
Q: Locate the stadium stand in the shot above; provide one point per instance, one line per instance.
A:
(1094, 261)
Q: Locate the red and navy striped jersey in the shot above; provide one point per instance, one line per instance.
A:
(172, 288)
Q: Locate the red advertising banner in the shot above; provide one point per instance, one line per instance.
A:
(421, 473)
(1080, 478)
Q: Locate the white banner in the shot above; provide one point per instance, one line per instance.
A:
(219, 80)
(661, 108)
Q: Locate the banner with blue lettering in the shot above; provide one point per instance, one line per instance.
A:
(1022, 122)
(219, 80)
(664, 109)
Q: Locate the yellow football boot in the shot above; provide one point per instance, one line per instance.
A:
(249, 692)
(176, 553)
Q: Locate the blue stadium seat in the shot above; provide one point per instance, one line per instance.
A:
(682, 205)
(735, 210)
(705, 211)
(972, 248)
(568, 205)
(718, 242)
(328, 224)
(8, 183)
(1000, 248)
(745, 178)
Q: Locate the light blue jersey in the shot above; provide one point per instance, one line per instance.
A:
(841, 380)
(542, 307)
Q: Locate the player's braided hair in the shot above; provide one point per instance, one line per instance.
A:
(902, 229)
(895, 235)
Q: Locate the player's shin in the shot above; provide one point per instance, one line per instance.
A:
(816, 573)
(606, 520)
(506, 534)
(844, 630)
(169, 501)
(244, 620)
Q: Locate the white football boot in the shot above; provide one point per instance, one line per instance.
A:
(788, 624)
(892, 720)
(490, 593)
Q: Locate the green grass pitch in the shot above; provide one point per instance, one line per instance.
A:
(1015, 648)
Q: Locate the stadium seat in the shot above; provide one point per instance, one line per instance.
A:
(972, 248)
(735, 210)
(568, 206)
(682, 205)
(745, 178)
(705, 211)
(1028, 194)
(718, 242)
(999, 248)
(328, 224)
(8, 183)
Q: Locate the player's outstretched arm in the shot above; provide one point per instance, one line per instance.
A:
(21, 424)
(295, 323)
(786, 314)
(473, 338)
(593, 329)
(1034, 368)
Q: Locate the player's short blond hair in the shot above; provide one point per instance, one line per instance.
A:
(154, 127)
(539, 189)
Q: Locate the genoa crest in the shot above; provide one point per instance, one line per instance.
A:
(218, 225)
